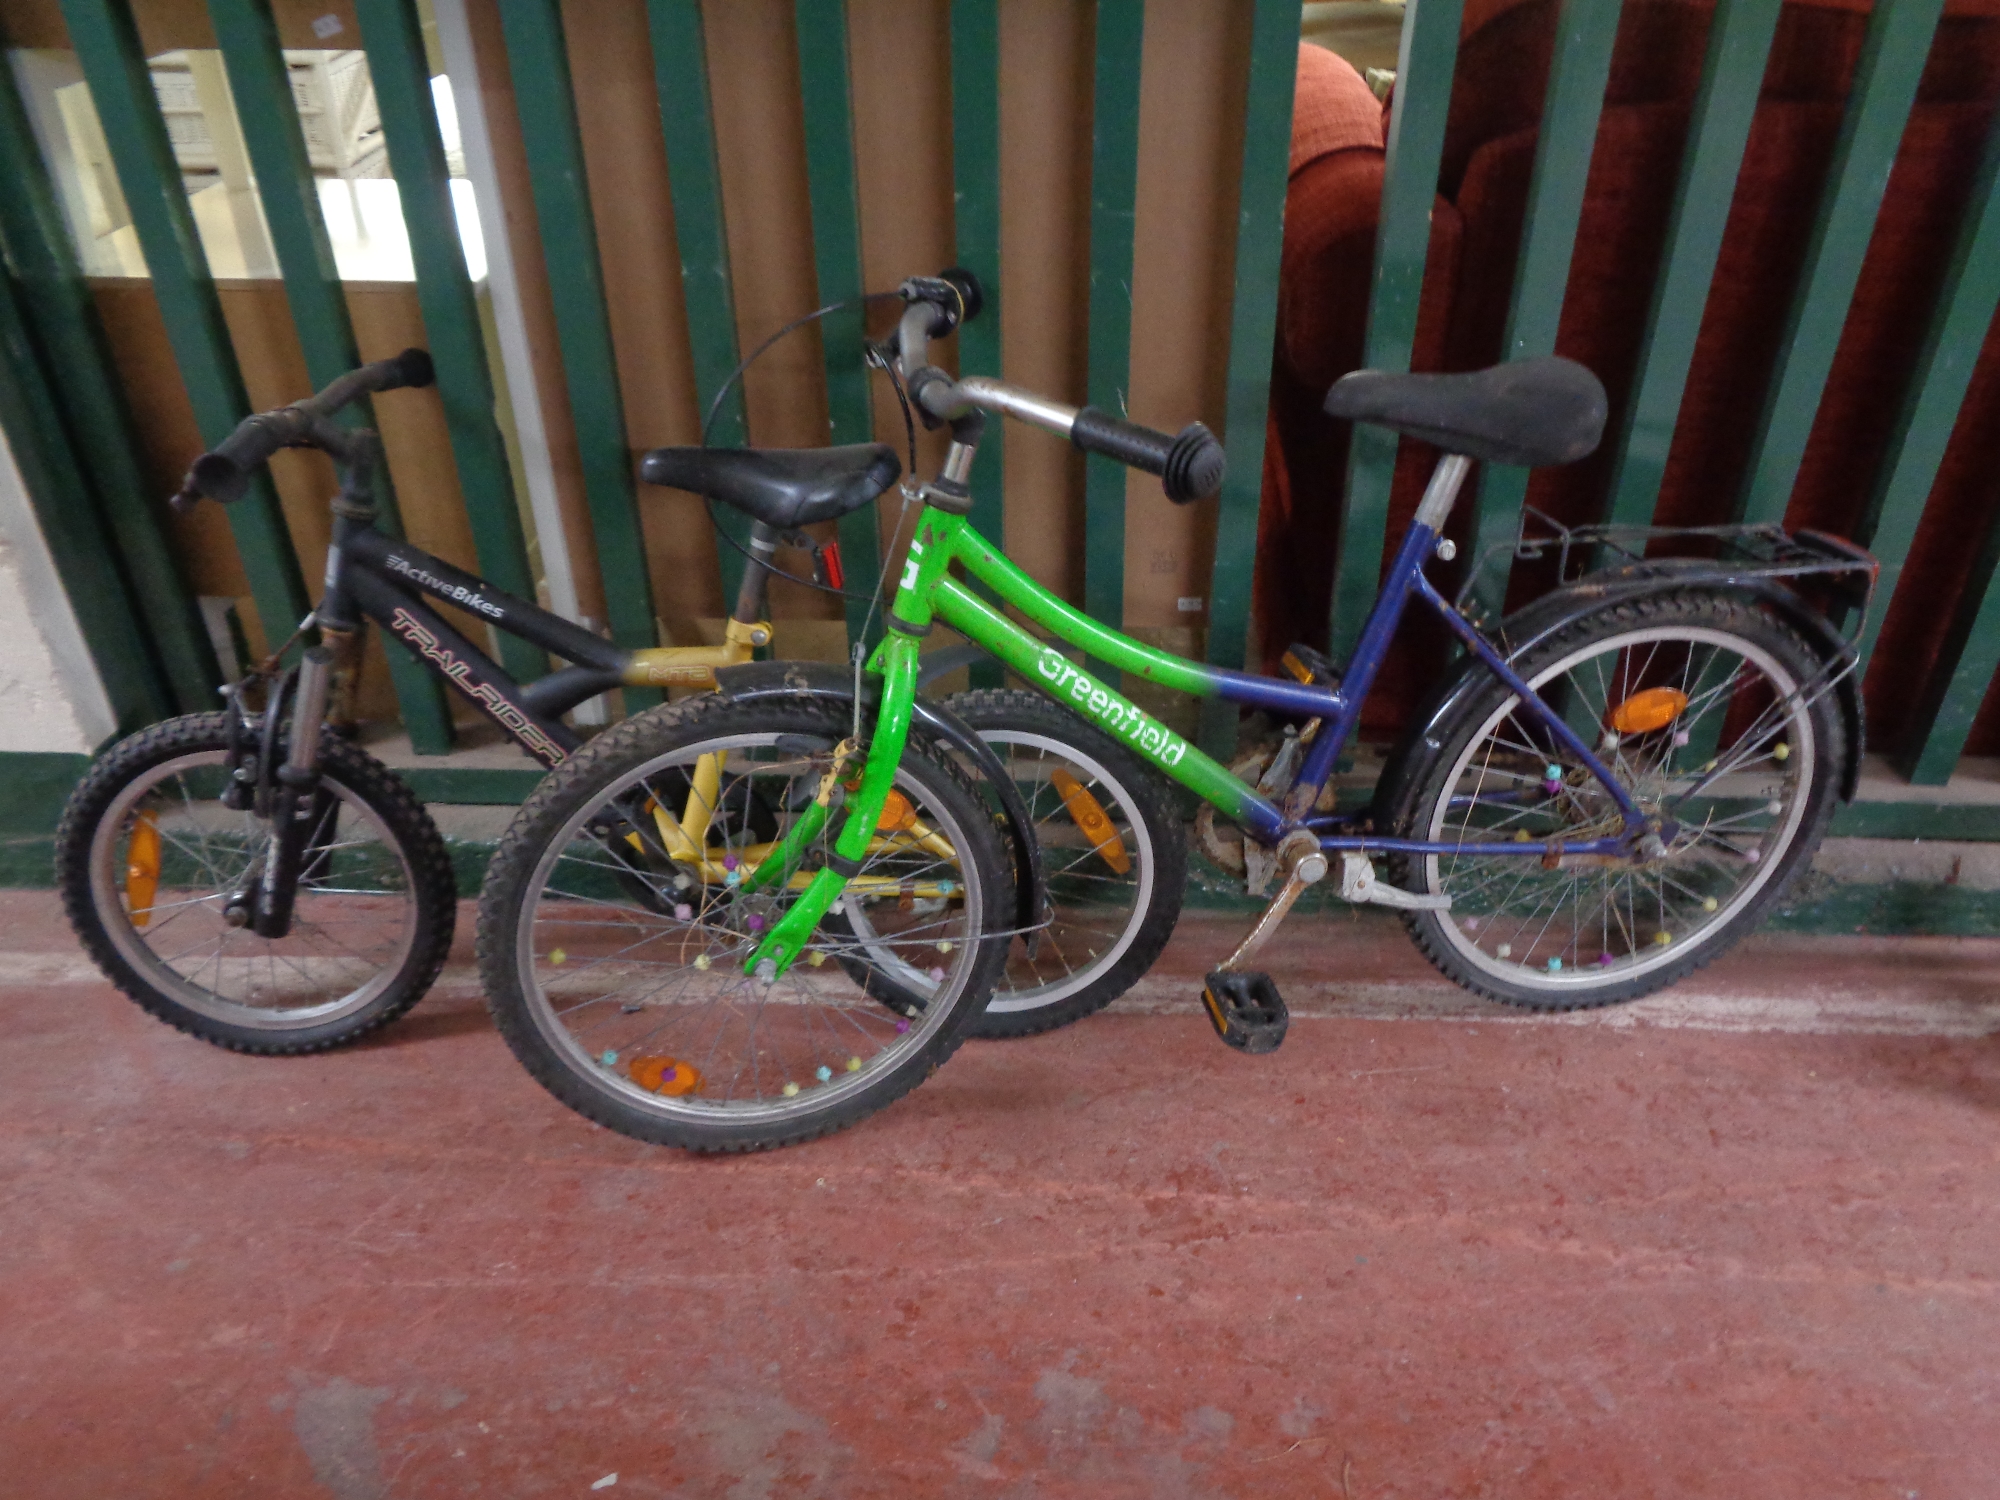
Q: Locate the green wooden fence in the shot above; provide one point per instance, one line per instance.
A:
(172, 667)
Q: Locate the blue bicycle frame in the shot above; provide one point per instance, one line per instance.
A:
(929, 592)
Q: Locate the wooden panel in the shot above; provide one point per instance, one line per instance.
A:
(633, 210)
(760, 149)
(1191, 101)
(1045, 205)
(900, 55)
(707, 300)
(167, 24)
(825, 96)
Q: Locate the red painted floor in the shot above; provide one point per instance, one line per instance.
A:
(1738, 1244)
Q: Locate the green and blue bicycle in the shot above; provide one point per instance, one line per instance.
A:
(1608, 791)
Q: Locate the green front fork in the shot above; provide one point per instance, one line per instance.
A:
(897, 659)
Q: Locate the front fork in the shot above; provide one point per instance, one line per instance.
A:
(773, 956)
(296, 810)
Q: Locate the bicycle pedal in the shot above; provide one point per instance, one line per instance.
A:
(1246, 1009)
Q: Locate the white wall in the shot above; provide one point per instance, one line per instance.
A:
(50, 696)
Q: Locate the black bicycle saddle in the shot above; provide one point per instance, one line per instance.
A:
(783, 487)
(1530, 412)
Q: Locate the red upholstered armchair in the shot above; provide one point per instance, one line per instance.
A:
(1489, 151)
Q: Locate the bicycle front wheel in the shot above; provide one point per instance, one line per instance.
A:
(1715, 716)
(148, 859)
(615, 928)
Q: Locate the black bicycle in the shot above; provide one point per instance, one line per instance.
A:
(256, 878)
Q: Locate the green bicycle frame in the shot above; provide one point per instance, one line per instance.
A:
(927, 593)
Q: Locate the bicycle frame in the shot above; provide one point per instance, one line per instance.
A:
(387, 581)
(947, 538)
(927, 593)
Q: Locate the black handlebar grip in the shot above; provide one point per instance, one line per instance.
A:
(223, 473)
(1189, 464)
(413, 368)
(1195, 465)
(971, 295)
(1137, 447)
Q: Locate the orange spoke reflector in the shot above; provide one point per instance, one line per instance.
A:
(1642, 713)
(142, 869)
(665, 1075)
(897, 814)
(1091, 818)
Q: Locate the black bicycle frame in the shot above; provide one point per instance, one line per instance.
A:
(387, 581)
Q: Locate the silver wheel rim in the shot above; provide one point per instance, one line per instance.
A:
(1478, 946)
(320, 957)
(1045, 805)
(883, 1043)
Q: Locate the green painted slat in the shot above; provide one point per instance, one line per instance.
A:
(57, 306)
(1114, 190)
(975, 176)
(1739, 45)
(1970, 653)
(1966, 662)
(1426, 58)
(260, 84)
(687, 123)
(975, 180)
(1578, 72)
(1253, 327)
(1892, 61)
(538, 56)
(113, 631)
(1937, 389)
(836, 220)
(394, 43)
(114, 65)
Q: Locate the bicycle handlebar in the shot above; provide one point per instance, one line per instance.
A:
(223, 473)
(1190, 463)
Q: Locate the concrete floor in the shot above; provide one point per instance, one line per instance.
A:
(1740, 1241)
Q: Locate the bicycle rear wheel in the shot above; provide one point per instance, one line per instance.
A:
(1715, 716)
(614, 929)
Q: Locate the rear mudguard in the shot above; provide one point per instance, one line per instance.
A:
(823, 680)
(1528, 627)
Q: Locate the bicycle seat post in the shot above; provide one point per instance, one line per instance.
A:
(749, 623)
